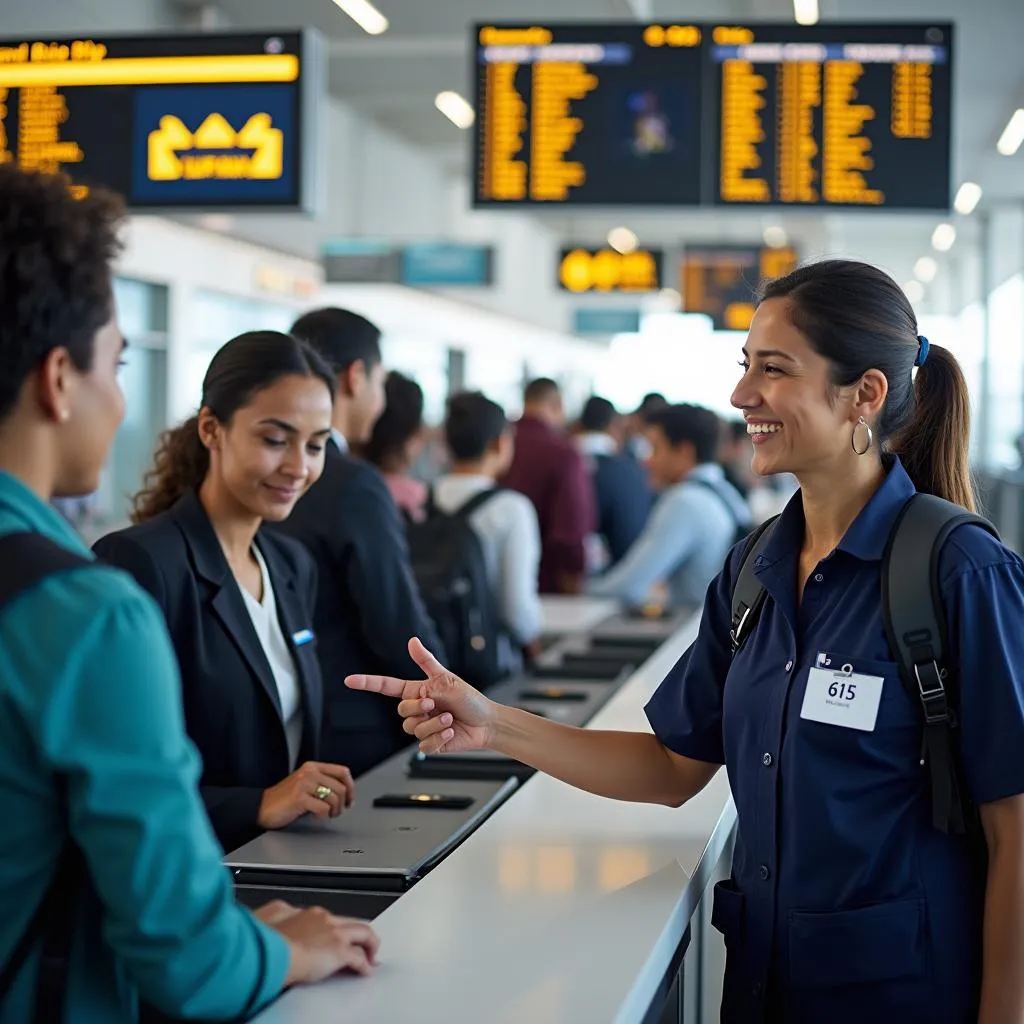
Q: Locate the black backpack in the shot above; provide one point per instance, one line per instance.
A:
(448, 563)
(915, 627)
(28, 559)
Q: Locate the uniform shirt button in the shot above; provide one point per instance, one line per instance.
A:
(818, 578)
(764, 872)
(766, 759)
(789, 666)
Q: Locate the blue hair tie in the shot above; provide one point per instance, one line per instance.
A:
(922, 351)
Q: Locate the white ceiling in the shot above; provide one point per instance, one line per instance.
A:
(393, 79)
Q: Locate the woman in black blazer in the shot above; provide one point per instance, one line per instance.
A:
(239, 599)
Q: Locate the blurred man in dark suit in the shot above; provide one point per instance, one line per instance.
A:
(368, 605)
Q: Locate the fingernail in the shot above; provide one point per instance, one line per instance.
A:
(427, 705)
(449, 734)
(446, 719)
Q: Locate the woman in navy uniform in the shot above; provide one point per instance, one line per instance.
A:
(97, 778)
(238, 599)
(845, 903)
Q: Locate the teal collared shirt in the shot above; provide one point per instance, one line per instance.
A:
(89, 690)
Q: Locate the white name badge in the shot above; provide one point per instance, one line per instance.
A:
(842, 698)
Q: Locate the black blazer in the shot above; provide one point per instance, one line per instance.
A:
(232, 708)
(368, 605)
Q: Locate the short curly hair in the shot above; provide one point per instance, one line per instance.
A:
(55, 276)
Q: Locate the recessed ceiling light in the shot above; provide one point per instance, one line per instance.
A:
(365, 15)
(456, 108)
(805, 12)
(1013, 134)
(914, 291)
(775, 236)
(968, 195)
(943, 237)
(925, 269)
(622, 240)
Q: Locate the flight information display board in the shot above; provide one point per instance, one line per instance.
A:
(605, 114)
(721, 281)
(169, 121)
(836, 114)
(687, 114)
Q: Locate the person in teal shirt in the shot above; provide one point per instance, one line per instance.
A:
(92, 741)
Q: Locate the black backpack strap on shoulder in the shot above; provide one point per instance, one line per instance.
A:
(748, 595)
(28, 559)
(430, 508)
(466, 509)
(915, 626)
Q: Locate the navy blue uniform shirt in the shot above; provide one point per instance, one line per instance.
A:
(845, 903)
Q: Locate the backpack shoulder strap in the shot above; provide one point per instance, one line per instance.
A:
(430, 509)
(723, 500)
(915, 626)
(29, 558)
(747, 594)
(466, 509)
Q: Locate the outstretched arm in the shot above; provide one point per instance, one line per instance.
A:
(446, 714)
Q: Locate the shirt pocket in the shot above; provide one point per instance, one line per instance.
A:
(884, 942)
(848, 763)
(895, 710)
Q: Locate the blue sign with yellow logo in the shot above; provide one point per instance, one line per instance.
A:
(207, 143)
(170, 120)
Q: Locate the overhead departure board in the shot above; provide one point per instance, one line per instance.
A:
(844, 115)
(685, 114)
(721, 281)
(207, 121)
(604, 114)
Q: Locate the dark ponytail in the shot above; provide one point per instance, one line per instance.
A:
(241, 369)
(933, 446)
(857, 317)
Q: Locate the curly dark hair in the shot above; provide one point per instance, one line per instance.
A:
(401, 420)
(55, 277)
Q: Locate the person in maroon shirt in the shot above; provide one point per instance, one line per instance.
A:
(549, 470)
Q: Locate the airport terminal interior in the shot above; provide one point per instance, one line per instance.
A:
(513, 327)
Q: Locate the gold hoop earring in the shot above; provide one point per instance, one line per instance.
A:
(853, 439)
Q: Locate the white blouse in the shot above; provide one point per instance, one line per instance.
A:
(282, 664)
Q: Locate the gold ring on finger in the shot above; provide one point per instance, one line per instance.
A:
(324, 792)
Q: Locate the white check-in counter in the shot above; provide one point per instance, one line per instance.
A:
(562, 908)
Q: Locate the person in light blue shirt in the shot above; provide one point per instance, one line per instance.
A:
(692, 525)
(93, 753)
